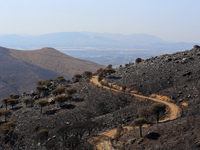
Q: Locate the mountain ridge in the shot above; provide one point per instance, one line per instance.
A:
(55, 60)
(20, 71)
(92, 40)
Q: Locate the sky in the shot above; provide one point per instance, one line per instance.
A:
(170, 20)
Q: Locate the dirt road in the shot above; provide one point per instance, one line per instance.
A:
(174, 110)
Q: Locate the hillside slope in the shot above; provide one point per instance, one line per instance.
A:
(56, 61)
(178, 77)
(166, 74)
(17, 76)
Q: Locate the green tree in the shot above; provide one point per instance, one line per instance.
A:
(42, 103)
(139, 122)
(157, 109)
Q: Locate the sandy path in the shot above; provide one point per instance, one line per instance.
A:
(174, 110)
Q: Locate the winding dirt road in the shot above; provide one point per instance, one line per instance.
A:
(174, 111)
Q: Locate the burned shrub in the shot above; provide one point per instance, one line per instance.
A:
(13, 102)
(42, 103)
(40, 88)
(61, 99)
(138, 60)
(58, 91)
(60, 79)
(71, 91)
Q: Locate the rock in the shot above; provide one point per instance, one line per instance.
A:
(51, 100)
(184, 60)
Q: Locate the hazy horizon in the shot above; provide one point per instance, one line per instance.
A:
(175, 21)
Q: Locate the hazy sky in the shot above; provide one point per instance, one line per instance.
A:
(171, 20)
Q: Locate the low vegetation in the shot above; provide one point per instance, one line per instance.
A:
(86, 110)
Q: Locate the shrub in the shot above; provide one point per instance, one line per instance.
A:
(138, 60)
(101, 76)
(27, 101)
(157, 109)
(6, 113)
(40, 87)
(8, 130)
(109, 66)
(76, 78)
(61, 99)
(42, 103)
(104, 72)
(5, 101)
(10, 124)
(43, 135)
(14, 96)
(87, 74)
(196, 47)
(13, 102)
(45, 82)
(58, 90)
(99, 71)
(109, 71)
(70, 91)
(139, 122)
(60, 79)
(144, 112)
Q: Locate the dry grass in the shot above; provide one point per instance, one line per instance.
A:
(54, 60)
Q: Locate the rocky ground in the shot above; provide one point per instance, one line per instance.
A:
(89, 105)
(176, 76)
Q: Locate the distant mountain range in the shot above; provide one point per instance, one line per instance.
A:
(91, 40)
(20, 70)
